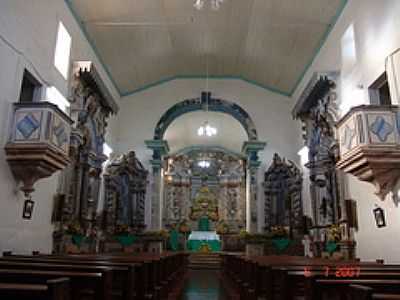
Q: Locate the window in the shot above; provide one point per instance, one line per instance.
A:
(348, 46)
(303, 153)
(62, 52)
(30, 88)
(54, 96)
(107, 150)
(379, 91)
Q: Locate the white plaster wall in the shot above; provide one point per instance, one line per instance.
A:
(270, 112)
(376, 25)
(28, 30)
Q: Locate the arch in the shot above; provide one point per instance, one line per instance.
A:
(214, 104)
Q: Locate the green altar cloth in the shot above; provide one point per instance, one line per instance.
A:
(195, 245)
(203, 224)
(174, 240)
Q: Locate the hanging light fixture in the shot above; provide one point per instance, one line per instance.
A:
(205, 129)
(204, 164)
(215, 4)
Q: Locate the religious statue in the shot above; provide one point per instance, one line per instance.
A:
(204, 208)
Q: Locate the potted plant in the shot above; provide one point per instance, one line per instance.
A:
(74, 229)
(255, 242)
(123, 236)
(333, 237)
(222, 228)
(279, 236)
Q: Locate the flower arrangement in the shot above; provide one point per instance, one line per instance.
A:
(278, 232)
(255, 238)
(222, 228)
(76, 232)
(334, 233)
(74, 228)
(121, 229)
(213, 216)
(159, 235)
(184, 227)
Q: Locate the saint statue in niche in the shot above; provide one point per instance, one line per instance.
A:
(204, 208)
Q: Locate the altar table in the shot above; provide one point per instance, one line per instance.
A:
(197, 239)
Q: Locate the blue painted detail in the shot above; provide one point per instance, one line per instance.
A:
(217, 105)
(398, 122)
(61, 135)
(268, 88)
(253, 156)
(381, 128)
(348, 137)
(28, 125)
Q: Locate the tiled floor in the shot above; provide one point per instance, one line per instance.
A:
(203, 285)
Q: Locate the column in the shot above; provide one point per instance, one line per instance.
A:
(160, 149)
(251, 149)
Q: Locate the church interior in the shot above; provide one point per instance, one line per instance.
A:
(199, 149)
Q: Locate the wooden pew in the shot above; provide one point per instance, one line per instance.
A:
(262, 277)
(84, 285)
(384, 291)
(319, 287)
(53, 289)
(153, 273)
(123, 274)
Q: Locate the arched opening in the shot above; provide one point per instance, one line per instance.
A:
(234, 165)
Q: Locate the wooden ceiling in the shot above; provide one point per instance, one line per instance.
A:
(267, 42)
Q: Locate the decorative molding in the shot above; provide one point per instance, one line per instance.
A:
(89, 76)
(251, 149)
(320, 84)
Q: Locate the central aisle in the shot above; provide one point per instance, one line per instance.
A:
(203, 285)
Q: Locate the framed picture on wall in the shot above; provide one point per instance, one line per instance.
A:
(28, 209)
(379, 215)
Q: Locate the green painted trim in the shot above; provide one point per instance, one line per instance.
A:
(91, 44)
(253, 146)
(161, 145)
(321, 45)
(168, 79)
(177, 77)
(204, 148)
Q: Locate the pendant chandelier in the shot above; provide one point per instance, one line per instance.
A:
(215, 4)
(206, 129)
(204, 164)
(204, 160)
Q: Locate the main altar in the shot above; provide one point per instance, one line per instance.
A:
(204, 241)
(204, 211)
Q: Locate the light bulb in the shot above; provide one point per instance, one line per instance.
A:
(198, 4)
(200, 131)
